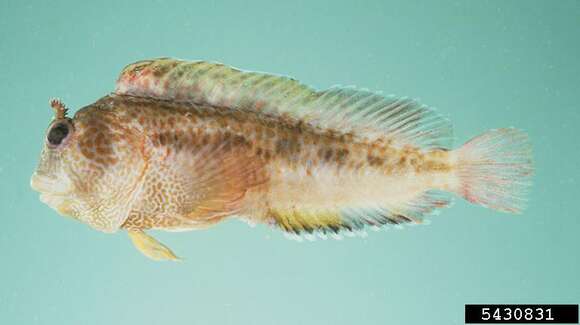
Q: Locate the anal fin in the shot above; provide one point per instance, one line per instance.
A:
(354, 220)
(422, 206)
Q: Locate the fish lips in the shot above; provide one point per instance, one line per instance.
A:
(48, 185)
(53, 193)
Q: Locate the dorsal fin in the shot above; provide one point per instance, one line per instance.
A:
(208, 83)
(403, 121)
(349, 110)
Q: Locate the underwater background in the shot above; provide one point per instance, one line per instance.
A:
(483, 64)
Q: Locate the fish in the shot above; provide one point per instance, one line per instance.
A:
(185, 145)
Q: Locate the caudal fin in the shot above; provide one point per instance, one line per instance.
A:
(494, 170)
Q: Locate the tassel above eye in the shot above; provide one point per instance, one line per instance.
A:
(60, 110)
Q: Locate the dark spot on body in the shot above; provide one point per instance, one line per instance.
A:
(288, 147)
(240, 141)
(328, 154)
(281, 146)
(205, 140)
(341, 155)
(374, 160)
(162, 139)
(267, 155)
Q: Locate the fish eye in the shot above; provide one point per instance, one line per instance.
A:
(57, 133)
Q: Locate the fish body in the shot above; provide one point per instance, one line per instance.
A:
(184, 145)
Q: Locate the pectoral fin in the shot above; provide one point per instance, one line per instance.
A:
(150, 247)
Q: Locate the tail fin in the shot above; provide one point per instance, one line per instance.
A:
(494, 170)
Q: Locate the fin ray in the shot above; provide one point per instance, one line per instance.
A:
(364, 113)
(495, 170)
(353, 220)
(150, 247)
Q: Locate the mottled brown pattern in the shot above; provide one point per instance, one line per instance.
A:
(181, 127)
(184, 145)
(164, 133)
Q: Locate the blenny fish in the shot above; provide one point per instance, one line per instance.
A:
(185, 145)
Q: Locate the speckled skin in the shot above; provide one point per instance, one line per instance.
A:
(183, 145)
(136, 159)
(94, 173)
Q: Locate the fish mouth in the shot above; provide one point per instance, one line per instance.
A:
(39, 183)
(53, 192)
(48, 185)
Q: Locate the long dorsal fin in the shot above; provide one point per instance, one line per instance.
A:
(364, 113)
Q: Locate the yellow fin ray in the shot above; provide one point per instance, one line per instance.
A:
(348, 220)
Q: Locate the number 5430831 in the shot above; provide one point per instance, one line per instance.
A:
(508, 313)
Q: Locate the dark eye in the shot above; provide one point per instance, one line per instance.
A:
(57, 134)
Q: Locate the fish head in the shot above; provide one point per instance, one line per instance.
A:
(51, 178)
(88, 168)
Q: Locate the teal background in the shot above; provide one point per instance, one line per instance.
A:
(484, 64)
